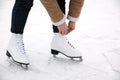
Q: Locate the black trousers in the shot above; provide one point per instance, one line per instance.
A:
(21, 11)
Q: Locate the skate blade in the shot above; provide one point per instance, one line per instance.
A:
(20, 65)
(55, 53)
(11, 60)
(79, 59)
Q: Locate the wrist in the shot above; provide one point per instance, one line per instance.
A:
(60, 22)
(71, 22)
(73, 19)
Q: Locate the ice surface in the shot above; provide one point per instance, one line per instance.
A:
(97, 36)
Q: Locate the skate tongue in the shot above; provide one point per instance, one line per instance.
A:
(20, 44)
(58, 35)
(70, 44)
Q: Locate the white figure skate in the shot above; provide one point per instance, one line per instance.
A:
(61, 45)
(16, 51)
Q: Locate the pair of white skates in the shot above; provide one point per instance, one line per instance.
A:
(16, 51)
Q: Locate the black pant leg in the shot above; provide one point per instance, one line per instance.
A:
(62, 7)
(19, 15)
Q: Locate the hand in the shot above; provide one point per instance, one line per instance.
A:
(71, 26)
(63, 29)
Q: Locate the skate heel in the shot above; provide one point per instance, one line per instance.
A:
(8, 54)
(54, 52)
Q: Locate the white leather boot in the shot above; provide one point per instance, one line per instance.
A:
(61, 45)
(16, 50)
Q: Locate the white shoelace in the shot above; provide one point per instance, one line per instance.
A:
(69, 43)
(20, 44)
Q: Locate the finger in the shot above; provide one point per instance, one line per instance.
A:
(59, 31)
(66, 31)
(69, 30)
(62, 32)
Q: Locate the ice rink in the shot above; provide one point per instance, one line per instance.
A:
(97, 37)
